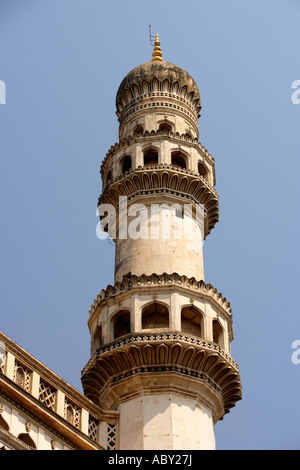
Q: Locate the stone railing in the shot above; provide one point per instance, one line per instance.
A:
(27, 374)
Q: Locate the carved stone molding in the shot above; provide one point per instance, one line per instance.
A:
(164, 180)
(163, 352)
(165, 279)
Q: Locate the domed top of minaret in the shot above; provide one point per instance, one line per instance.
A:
(156, 78)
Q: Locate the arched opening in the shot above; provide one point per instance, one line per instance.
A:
(126, 163)
(192, 321)
(165, 127)
(218, 333)
(150, 157)
(98, 337)
(178, 159)
(138, 129)
(155, 315)
(24, 437)
(202, 170)
(108, 177)
(121, 324)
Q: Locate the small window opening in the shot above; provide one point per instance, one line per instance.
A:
(126, 163)
(165, 127)
(155, 315)
(121, 324)
(150, 157)
(178, 160)
(192, 321)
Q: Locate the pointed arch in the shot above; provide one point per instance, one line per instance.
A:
(97, 339)
(218, 333)
(175, 88)
(166, 85)
(183, 91)
(145, 87)
(155, 315)
(155, 85)
(120, 323)
(150, 157)
(202, 170)
(128, 95)
(138, 129)
(125, 163)
(179, 159)
(135, 90)
(192, 321)
(165, 126)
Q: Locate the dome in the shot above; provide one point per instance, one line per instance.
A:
(159, 76)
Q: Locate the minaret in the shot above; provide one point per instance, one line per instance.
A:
(160, 336)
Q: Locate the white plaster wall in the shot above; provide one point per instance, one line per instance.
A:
(165, 422)
(158, 244)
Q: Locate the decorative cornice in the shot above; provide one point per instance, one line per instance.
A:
(164, 166)
(167, 180)
(163, 352)
(155, 280)
(130, 109)
(161, 337)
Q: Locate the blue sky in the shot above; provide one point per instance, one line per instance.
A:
(62, 62)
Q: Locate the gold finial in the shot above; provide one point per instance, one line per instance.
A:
(157, 55)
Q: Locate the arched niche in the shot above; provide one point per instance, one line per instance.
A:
(192, 321)
(218, 333)
(125, 163)
(179, 159)
(150, 157)
(108, 177)
(138, 129)
(165, 127)
(97, 340)
(155, 315)
(120, 324)
(202, 170)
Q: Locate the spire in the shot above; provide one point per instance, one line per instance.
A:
(157, 55)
